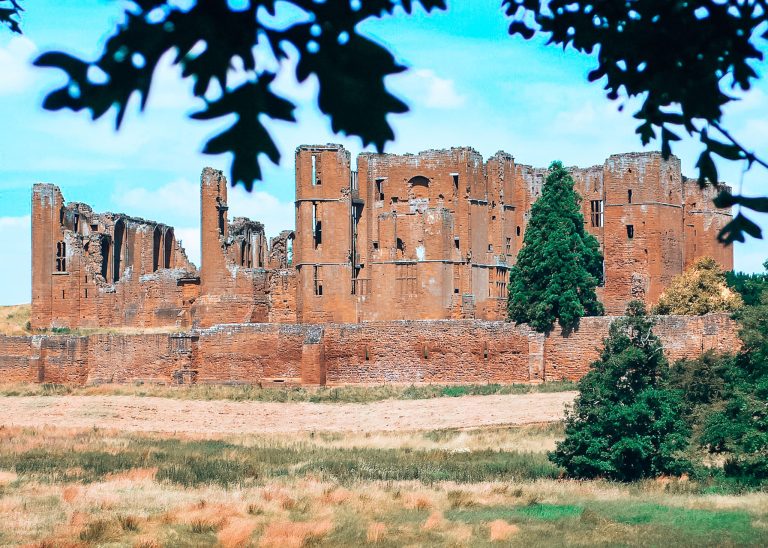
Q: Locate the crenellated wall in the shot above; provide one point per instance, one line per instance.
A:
(435, 351)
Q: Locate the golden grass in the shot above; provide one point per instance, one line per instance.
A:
(133, 508)
(500, 530)
(13, 319)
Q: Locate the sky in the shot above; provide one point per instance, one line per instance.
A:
(469, 84)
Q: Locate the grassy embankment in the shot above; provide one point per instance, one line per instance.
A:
(437, 488)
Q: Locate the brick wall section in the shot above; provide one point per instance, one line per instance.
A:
(440, 351)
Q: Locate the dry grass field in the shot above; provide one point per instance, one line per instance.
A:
(13, 319)
(477, 487)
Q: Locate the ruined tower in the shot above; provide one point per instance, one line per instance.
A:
(323, 251)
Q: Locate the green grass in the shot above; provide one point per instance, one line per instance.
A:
(341, 394)
(195, 463)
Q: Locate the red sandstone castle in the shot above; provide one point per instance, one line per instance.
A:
(411, 237)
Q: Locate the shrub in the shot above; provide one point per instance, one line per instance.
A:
(625, 423)
(700, 290)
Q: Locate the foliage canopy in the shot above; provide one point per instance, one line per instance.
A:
(560, 263)
(625, 424)
(700, 290)
(10, 11)
(212, 37)
(684, 58)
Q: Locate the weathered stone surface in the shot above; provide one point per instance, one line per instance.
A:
(440, 351)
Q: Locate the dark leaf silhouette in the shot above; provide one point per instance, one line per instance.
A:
(212, 41)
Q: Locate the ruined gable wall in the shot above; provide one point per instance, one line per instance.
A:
(105, 269)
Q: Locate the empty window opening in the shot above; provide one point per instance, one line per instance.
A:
(157, 238)
(630, 231)
(77, 221)
(318, 281)
(86, 292)
(95, 227)
(455, 182)
(490, 248)
(456, 279)
(62, 294)
(596, 207)
(518, 231)
(629, 170)
(380, 189)
(105, 247)
(456, 242)
(367, 354)
(317, 226)
(400, 245)
(118, 253)
(86, 278)
(221, 220)
(508, 249)
(394, 199)
(629, 196)
(314, 169)
(375, 245)
(61, 257)
(168, 251)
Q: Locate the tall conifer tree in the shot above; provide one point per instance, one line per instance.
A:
(560, 263)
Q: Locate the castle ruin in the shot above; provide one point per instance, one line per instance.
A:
(428, 236)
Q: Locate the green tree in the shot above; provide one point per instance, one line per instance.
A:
(683, 58)
(626, 423)
(560, 263)
(700, 290)
(737, 426)
(749, 286)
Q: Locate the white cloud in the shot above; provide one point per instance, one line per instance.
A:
(425, 87)
(190, 241)
(15, 58)
(179, 201)
(16, 258)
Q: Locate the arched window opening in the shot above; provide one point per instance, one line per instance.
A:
(170, 242)
(157, 238)
(105, 248)
(418, 187)
(118, 252)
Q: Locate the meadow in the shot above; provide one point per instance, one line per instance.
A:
(478, 487)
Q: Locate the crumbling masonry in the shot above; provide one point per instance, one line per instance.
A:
(426, 236)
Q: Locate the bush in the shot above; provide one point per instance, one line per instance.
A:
(625, 424)
(700, 290)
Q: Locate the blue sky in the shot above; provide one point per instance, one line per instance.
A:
(469, 84)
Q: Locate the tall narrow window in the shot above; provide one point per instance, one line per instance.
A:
(597, 213)
(317, 227)
(314, 170)
(518, 231)
(318, 281)
(157, 246)
(629, 196)
(508, 250)
(630, 231)
(400, 245)
(455, 182)
(168, 240)
(117, 257)
(61, 257)
(380, 189)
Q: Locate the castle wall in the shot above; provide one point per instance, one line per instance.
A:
(443, 351)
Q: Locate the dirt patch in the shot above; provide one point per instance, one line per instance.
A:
(144, 414)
